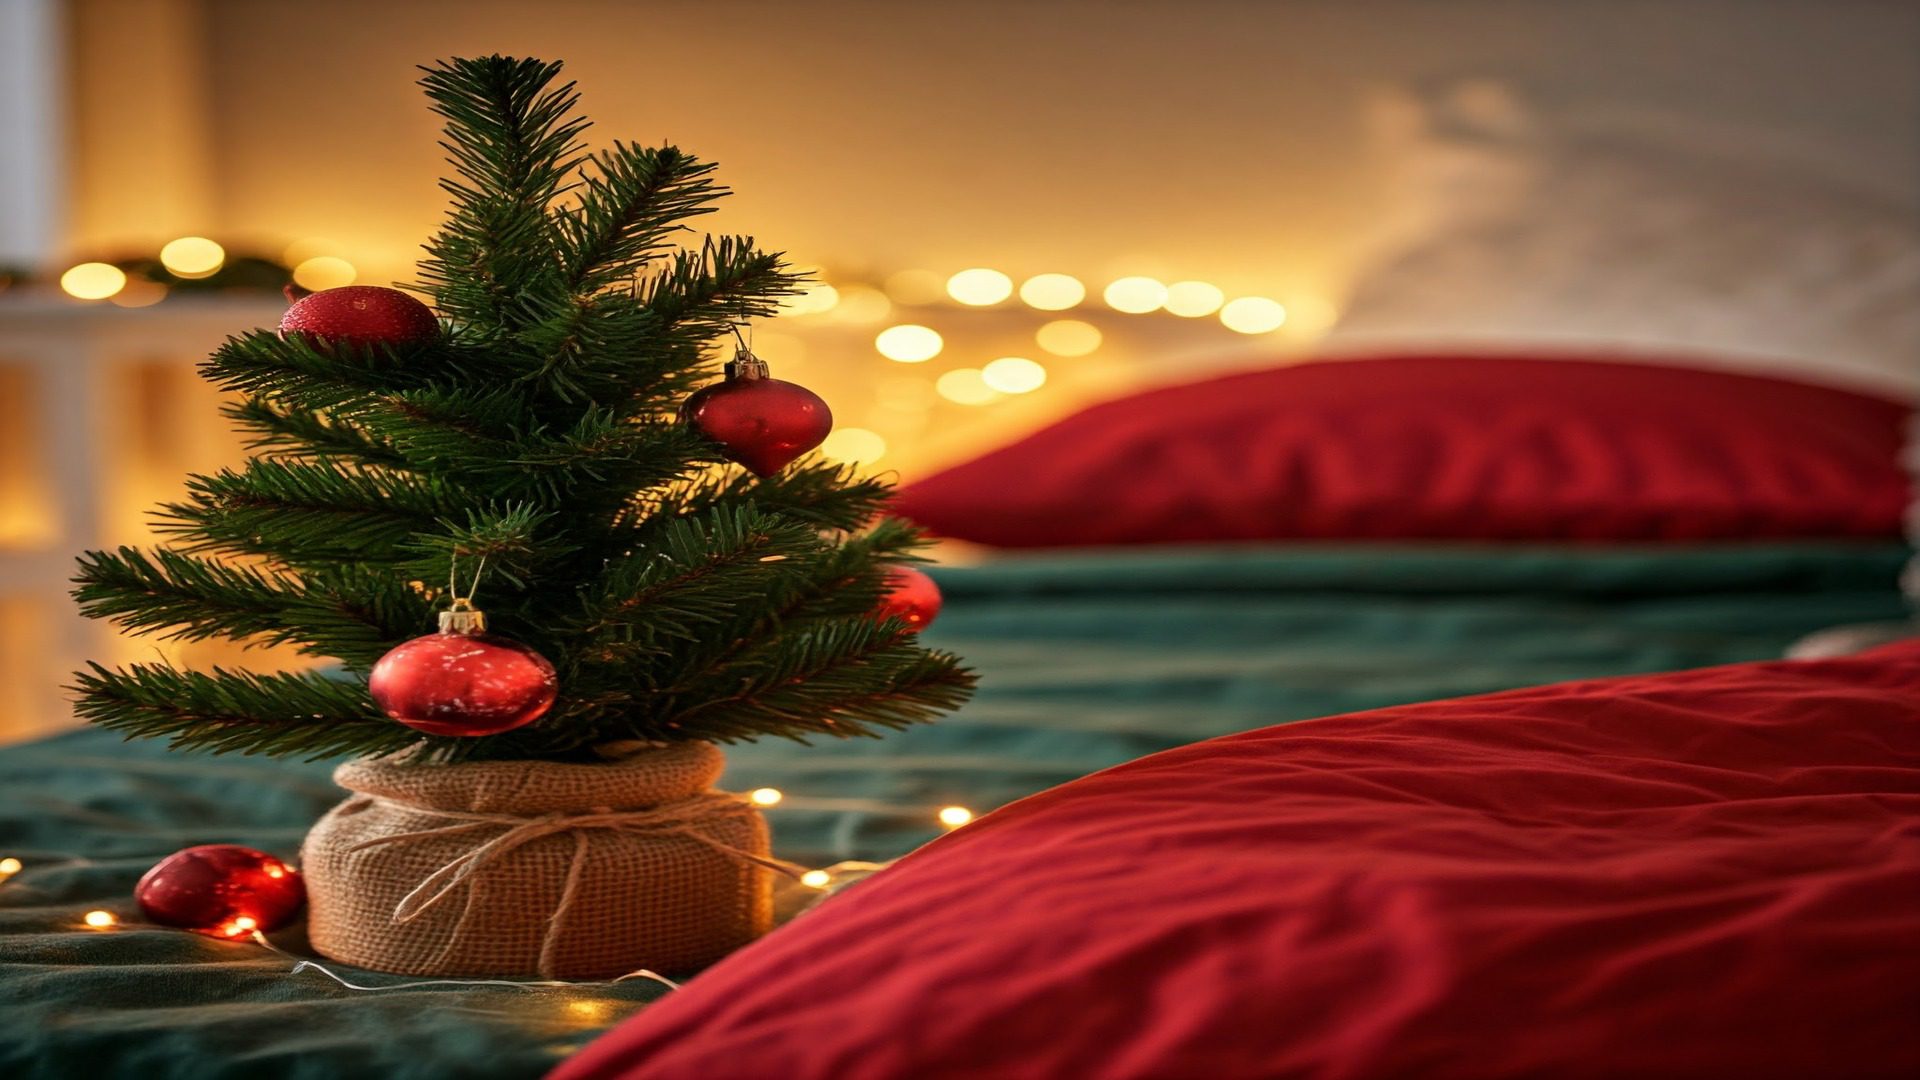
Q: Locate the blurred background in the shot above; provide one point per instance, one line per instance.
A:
(1012, 209)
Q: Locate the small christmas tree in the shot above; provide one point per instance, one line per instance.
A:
(531, 442)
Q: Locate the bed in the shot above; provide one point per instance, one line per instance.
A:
(1090, 659)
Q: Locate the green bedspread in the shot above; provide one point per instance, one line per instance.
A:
(1087, 660)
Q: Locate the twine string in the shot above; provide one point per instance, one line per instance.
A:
(681, 819)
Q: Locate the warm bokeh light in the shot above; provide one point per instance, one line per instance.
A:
(594, 1011)
(1253, 315)
(9, 867)
(908, 343)
(139, 294)
(93, 281)
(192, 257)
(965, 386)
(815, 299)
(324, 272)
(1052, 292)
(955, 816)
(1136, 295)
(1194, 299)
(979, 286)
(766, 796)
(915, 287)
(861, 304)
(1014, 375)
(853, 444)
(1068, 337)
(816, 879)
(99, 920)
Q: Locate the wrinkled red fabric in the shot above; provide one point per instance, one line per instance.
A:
(1440, 447)
(1708, 874)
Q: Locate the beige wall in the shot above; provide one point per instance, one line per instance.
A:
(1203, 138)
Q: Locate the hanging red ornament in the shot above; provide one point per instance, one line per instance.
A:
(462, 680)
(224, 890)
(911, 597)
(361, 315)
(759, 421)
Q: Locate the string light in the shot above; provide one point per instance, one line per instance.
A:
(853, 445)
(965, 386)
(816, 879)
(1136, 295)
(1014, 375)
(1052, 292)
(1068, 337)
(93, 281)
(766, 796)
(99, 920)
(193, 257)
(909, 344)
(1253, 315)
(979, 287)
(324, 272)
(955, 816)
(815, 299)
(593, 1011)
(1194, 299)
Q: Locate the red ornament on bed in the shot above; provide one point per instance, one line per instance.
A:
(759, 421)
(223, 890)
(911, 597)
(462, 680)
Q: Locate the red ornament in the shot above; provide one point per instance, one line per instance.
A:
(462, 681)
(224, 890)
(911, 597)
(760, 422)
(361, 315)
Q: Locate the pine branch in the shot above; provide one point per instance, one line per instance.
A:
(692, 576)
(306, 512)
(304, 434)
(352, 617)
(303, 713)
(812, 490)
(513, 146)
(631, 203)
(845, 678)
(727, 283)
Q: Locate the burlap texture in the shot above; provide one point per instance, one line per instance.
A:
(649, 897)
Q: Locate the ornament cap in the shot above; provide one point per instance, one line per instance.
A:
(463, 618)
(745, 365)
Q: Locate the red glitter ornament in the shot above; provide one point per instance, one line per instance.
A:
(224, 890)
(361, 315)
(760, 422)
(463, 681)
(911, 597)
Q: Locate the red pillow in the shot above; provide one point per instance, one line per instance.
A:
(1424, 447)
(1702, 874)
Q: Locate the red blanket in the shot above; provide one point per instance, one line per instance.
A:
(1709, 874)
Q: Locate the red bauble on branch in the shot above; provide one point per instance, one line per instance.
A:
(760, 422)
(463, 681)
(911, 597)
(221, 889)
(361, 315)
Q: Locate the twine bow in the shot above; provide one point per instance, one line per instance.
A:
(682, 818)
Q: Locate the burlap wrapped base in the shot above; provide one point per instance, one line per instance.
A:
(537, 869)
